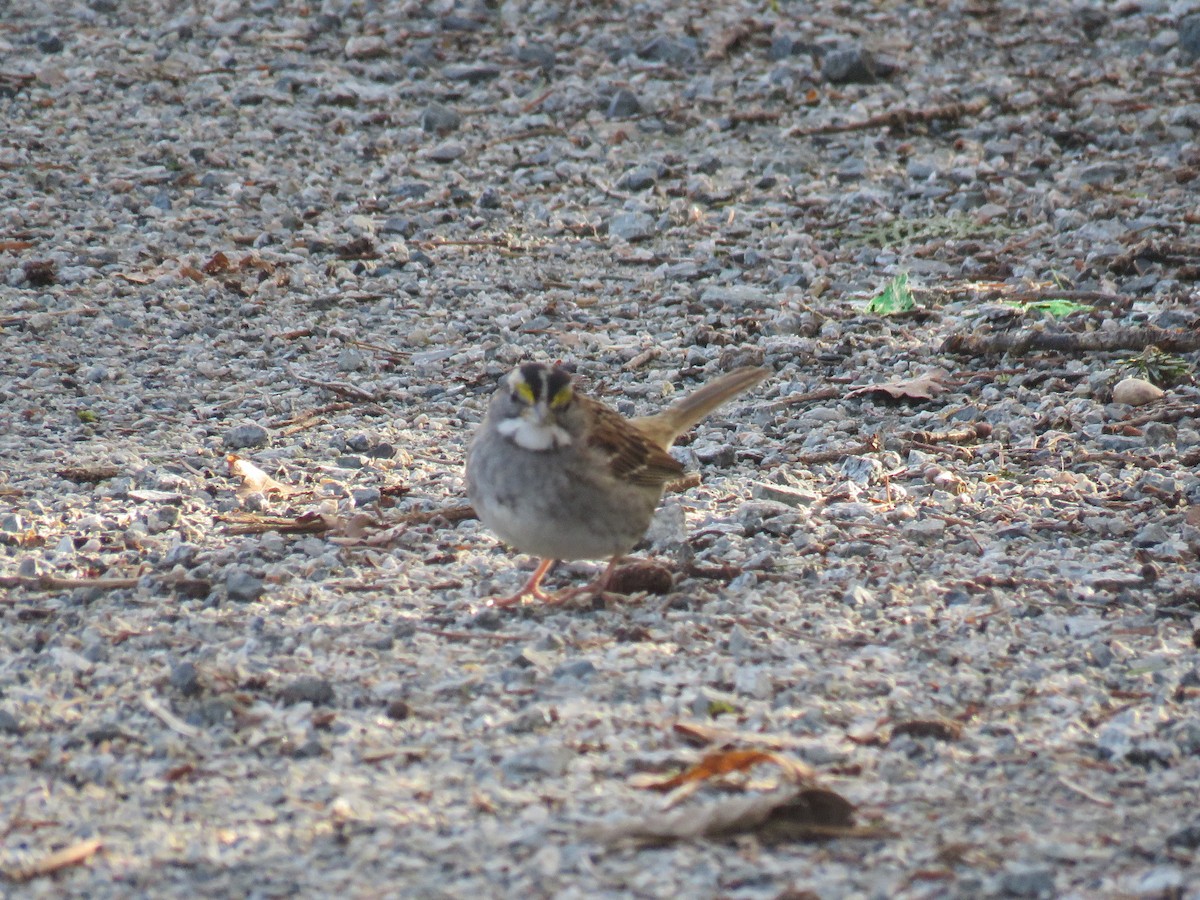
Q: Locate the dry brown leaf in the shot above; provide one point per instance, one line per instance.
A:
(308, 523)
(216, 264)
(723, 762)
(790, 813)
(255, 480)
(923, 387)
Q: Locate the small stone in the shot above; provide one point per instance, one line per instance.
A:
(1028, 883)
(248, 434)
(243, 587)
(370, 46)
(1151, 535)
(350, 359)
(308, 689)
(1189, 36)
(1103, 174)
(398, 709)
(12, 524)
(1136, 392)
(784, 45)
(446, 152)
(185, 679)
(537, 763)
(849, 65)
(624, 103)
(536, 55)
(490, 198)
(49, 43)
(632, 226)
(638, 179)
(9, 723)
(473, 73)
(669, 50)
(438, 119)
(579, 669)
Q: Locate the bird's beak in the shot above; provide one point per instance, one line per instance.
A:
(539, 413)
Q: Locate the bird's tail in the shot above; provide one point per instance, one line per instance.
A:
(667, 425)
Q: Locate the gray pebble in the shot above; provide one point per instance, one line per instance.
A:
(624, 103)
(243, 587)
(438, 119)
(246, 435)
(474, 73)
(849, 65)
(1027, 882)
(446, 152)
(632, 226)
(308, 689)
(185, 679)
(1189, 36)
(9, 723)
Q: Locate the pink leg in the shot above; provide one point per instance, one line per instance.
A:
(595, 588)
(531, 588)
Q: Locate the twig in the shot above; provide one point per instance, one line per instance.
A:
(76, 311)
(60, 859)
(1084, 792)
(425, 516)
(169, 718)
(897, 118)
(828, 393)
(964, 435)
(308, 523)
(1163, 414)
(1019, 342)
(336, 387)
(544, 131)
(310, 418)
(871, 445)
(472, 636)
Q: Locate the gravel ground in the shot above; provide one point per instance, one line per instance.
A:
(932, 557)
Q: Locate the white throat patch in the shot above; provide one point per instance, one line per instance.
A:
(528, 436)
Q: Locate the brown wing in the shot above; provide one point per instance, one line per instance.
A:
(632, 456)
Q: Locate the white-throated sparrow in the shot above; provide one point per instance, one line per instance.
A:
(561, 476)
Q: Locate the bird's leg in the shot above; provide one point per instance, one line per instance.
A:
(595, 588)
(531, 588)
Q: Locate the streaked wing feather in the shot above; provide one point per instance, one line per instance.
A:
(632, 456)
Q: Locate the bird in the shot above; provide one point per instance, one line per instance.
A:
(561, 476)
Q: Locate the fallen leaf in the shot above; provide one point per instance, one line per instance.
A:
(724, 762)
(923, 387)
(255, 480)
(216, 264)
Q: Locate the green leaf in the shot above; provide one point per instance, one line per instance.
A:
(86, 416)
(897, 297)
(1055, 308)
